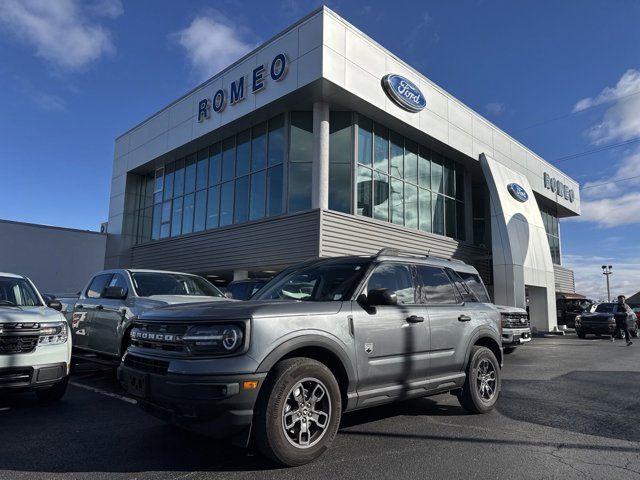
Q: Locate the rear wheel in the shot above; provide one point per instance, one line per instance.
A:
(54, 393)
(298, 413)
(581, 334)
(482, 387)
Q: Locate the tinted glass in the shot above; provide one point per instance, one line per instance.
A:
(381, 148)
(395, 277)
(176, 217)
(202, 169)
(365, 139)
(299, 187)
(190, 174)
(340, 187)
(411, 161)
(381, 196)
(257, 202)
(475, 285)
(424, 210)
(435, 286)
(424, 168)
(178, 179)
(213, 207)
(97, 285)
(301, 137)
(397, 154)
(274, 190)
(276, 140)
(460, 221)
(437, 210)
(118, 281)
(340, 142)
(17, 292)
(228, 159)
(450, 217)
(148, 284)
(155, 225)
(364, 191)
(200, 211)
(449, 179)
(397, 201)
(259, 147)
(168, 182)
(187, 213)
(410, 206)
(215, 164)
(459, 182)
(436, 173)
(243, 153)
(226, 204)
(241, 207)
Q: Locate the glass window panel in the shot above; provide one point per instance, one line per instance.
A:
(397, 201)
(479, 233)
(340, 187)
(165, 230)
(202, 169)
(226, 204)
(147, 223)
(450, 217)
(556, 226)
(178, 178)
(340, 141)
(460, 221)
(215, 164)
(257, 201)
(435, 285)
(176, 217)
(301, 137)
(166, 211)
(213, 207)
(299, 183)
(410, 206)
(381, 196)
(228, 159)
(168, 182)
(459, 182)
(274, 191)
(449, 178)
(200, 212)
(437, 218)
(190, 174)
(397, 154)
(381, 148)
(424, 168)
(276, 140)
(424, 210)
(243, 153)
(411, 161)
(365, 139)
(155, 224)
(159, 180)
(241, 206)
(259, 147)
(187, 213)
(364, 192)
(436, 172)
(149, 191)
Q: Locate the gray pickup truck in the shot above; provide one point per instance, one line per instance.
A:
(100, 318)
(321, 338)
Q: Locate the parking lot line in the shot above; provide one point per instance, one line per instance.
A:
(105, 393)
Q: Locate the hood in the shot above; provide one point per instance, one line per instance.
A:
(508, 309)
(597, 315)
(29, 314)
(174, 299)
(241, 310)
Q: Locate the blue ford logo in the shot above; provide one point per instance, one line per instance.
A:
(518, 192)
(404, 92)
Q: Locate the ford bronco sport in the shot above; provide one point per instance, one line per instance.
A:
(321, 338)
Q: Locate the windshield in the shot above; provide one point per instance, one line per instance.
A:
(319, 282)
(605, 308)
(17, 292)
(148, 284)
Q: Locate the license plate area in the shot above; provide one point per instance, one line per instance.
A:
(137, 384)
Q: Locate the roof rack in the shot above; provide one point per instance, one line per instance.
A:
(396, 252)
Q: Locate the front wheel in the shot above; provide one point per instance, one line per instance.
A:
(581, 334)
(298, 413)
(54, 393)
(482, 386)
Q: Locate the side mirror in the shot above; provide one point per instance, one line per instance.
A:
(115, 293)
(381, 296)
(55, 304)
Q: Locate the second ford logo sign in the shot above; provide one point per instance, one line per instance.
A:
(518, 192)
(404, 92)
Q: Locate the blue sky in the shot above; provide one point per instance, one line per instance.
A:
(558, 76)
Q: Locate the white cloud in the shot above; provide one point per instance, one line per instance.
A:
(61, 31)
(591, 282)
(626, 179)
(212, 42)
(611, 212)
(495, 108)
(49, 102)
(621, 121)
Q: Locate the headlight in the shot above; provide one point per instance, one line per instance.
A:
(53, 333)
(213, 339)
(505, 322)
(578, 318)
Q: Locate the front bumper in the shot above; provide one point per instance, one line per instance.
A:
(32, 377)
(515, 336)
(597, 328)
(214, 405)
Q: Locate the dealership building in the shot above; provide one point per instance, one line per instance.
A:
(321, 142)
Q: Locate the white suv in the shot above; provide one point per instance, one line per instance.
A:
(35, 345)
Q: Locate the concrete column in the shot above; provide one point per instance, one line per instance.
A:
(240, 274)
(320, 168)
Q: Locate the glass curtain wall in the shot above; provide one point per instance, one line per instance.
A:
(552, 227)
(407, 184)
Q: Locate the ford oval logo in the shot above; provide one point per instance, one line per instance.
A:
(518, 192)
(404, 92)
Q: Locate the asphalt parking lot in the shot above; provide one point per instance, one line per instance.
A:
(569, 409)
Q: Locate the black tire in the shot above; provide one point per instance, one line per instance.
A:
(54, 393)
(508, 350)
(581, 334)
(470, 397)
(270, 436)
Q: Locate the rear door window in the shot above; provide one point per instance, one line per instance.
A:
(435, 286)
(97, 285)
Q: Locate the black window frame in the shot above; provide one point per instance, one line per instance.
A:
(108, 275)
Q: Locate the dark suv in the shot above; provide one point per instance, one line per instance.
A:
(321, 338)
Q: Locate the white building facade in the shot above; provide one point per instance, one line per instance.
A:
(321, 142)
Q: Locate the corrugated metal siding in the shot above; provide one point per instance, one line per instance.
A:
(344, 234)
(273, 242)
(564, 279)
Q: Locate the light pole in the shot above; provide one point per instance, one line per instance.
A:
(606, 271)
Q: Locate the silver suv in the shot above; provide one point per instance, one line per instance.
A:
(321, 338)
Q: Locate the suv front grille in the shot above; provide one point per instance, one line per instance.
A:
(150, 365)
(164, 337)
(18, 337)
(16, 377)
(516, 321)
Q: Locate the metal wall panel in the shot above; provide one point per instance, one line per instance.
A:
(564, 279)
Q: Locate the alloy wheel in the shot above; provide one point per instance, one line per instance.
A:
(306, 413)
(486, 380)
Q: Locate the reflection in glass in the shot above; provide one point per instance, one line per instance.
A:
(176, 217)
(299, 187)
(215, 164)
(437, 219)
(340, 187)
(276, 140)
(257, 202)
(200, 212)
(168, 182)
(178, 178)
(243, 153)
(450, 217)
(424, 210)
(274, 190)
(364, 191)
(226, 204)
(213, 207)
(365, 138)
(187, 213)
(410, 206)
(228, 159)
(190, 174)
(202, 169)
(380, 196)
(381, 149)
(301, 137)
(449, 178)
(460, 228)
(397, 201)
(241, 213)
(397, 153)
(259, 147)
(411, 161)
(424, 168)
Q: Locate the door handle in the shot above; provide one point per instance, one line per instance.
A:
(415, 319)
(99, 307)
(464, 318)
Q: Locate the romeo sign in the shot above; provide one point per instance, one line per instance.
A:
(559, 188)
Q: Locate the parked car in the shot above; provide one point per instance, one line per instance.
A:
(516, 329)
(286, 364)
(100, 317)
(243, 289)
(569, 308)
(602, 321)
(35, 343)
(636, 310)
